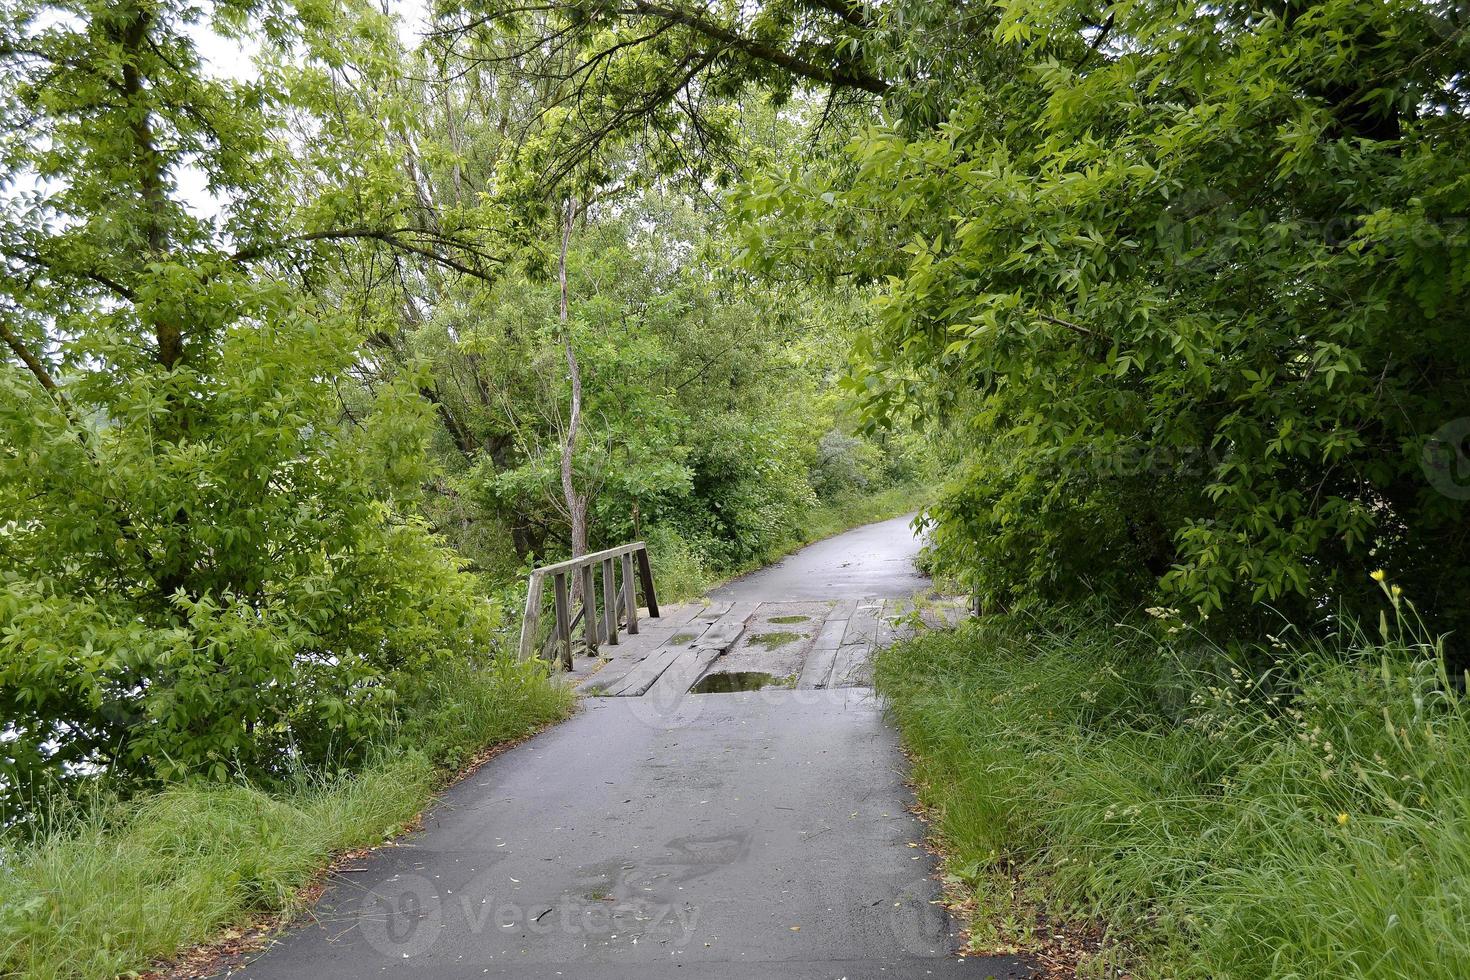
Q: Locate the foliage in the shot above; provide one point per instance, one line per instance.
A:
(115, 886)
(1299, 812)
(211, 563)
(1189, 284)
(704, 396)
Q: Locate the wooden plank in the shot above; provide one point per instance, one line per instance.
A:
(890, 633)
(713, 611)
(572, 564)
(563, 624)
(816, 673)
(821, 660)
(685, 672)
(682, 615)
(609, 603)
(532, 619)
(726, 629)
(721, 636)
(830, 638)
(550, 644)
(863, 626)
(645, 573)
(686, 661)
(638, 680)
(715, 642)
(851, 664)
(630, 593)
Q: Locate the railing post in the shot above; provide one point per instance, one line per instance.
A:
(609, 603)
(589, 611)
(630, 593)
(563, 623)
(645, 572)
(532, 619)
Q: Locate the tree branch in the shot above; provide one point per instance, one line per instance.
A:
(388, 236)
(850, 11)
(31, 361)
(97, 277)
(1075, 327)
(850, 77)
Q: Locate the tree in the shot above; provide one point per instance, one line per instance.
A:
(1195, 284)
(209, 565)
(576, 499)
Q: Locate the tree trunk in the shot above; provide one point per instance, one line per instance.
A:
(172, 572)
(134, 41)
(576, 501)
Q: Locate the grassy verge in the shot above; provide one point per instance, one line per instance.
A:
(685, 574)
(1302, 813)
(128, 883)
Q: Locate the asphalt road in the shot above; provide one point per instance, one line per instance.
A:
(763, 835)
(876, 560)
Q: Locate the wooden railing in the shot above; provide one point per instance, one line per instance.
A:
(619, 599)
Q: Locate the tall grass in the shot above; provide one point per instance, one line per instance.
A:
(1299, 812)
(117, 885)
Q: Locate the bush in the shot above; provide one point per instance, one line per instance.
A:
(1291, 813)
(681, 571)
(844, 465)
(216, 575)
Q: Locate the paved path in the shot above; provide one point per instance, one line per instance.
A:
(763, 834)
(875, 560)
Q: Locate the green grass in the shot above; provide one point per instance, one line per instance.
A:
(115, 887)
(1308, 816)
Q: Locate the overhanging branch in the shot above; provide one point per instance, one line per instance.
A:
(843, 77)
(392, 237)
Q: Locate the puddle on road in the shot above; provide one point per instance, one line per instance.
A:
(771, 641)
(740, 680)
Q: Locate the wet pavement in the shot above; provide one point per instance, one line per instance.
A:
(874, 560)
(661, 834)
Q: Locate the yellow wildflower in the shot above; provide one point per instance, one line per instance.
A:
(1379, 575)
(1342, 819)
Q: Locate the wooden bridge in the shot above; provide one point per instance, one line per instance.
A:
(711, 645)
(619, 600)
